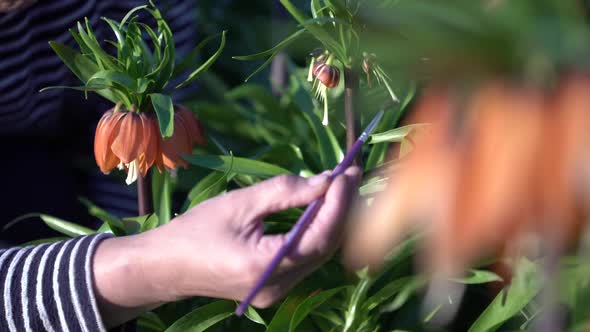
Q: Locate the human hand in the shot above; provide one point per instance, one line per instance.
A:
(218, 248)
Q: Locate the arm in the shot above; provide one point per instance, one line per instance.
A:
(49, 286)
(218, 248)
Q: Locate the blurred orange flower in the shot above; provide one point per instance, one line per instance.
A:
(508, 161)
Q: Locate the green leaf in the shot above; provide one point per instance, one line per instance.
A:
(210, 186)
(316, 8)
(397, 134)
(204, 317)
(91, 87)
(80, 65)
(165, 111)
(237, 165)
(151, 322)
(166, 66)
(134, 225)
(46, 240)
(357, 298)
(115, 224)
(281, 321)
(309, 304)
(318, 32)
(155, 41)
(162, 196)
(150, 223)
(191, 57)
(285, 42)
(65, 227)
(205, 65)
(129, 13)
(254, 316)
(391, 119)
(510, 301)
(101, 57)
(404, 294)
(262, 66)
(478, 277)
(386, 292)
(108, 77)
(329, 149)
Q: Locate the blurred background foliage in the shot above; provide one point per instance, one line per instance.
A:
(257, 130)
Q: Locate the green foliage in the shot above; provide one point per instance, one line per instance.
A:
(282, 133)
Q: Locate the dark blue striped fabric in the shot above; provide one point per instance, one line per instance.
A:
(46, 138)
(49, 287)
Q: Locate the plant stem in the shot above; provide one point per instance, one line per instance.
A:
(351, 84)
(144, 195)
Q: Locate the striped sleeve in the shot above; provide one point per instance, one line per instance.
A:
(49, 287)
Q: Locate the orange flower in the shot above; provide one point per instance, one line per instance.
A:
(127, 140)
(187, 131)
(327, 74)
(506, 163)
(132, 141)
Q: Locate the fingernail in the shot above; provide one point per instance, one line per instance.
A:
(318, 180)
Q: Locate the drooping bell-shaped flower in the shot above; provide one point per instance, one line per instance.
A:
(127, 140)
(131, 141)
(329, 75)
(187, 131)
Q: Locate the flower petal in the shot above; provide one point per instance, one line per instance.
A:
(128, 142)
(179, 143)
(192, 125)
(150, 145)
(106, 130)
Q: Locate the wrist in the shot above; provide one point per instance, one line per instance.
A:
(125, 280)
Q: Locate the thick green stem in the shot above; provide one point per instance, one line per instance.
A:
(351, 84)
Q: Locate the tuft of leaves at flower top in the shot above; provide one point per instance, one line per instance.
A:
(138, 74)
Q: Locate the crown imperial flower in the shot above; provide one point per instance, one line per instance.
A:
(131, 141)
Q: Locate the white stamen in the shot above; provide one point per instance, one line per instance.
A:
(325, 119)
(310, 73)
(120, 166)
(132, 172)
(325, 97)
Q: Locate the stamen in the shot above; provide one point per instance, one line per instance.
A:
(324, 94)
(310, 73)
(132, 172)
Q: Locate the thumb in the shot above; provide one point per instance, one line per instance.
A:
(282, 192)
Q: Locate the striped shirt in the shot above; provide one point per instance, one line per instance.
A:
(42, 133)
(49, 287)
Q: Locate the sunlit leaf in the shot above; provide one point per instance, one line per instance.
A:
(204, 317)
(478, 277)
(524, 286)
(309, 304)
(237, 165)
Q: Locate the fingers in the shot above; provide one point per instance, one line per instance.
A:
(322, 236)
(281, 193)
(318, 243)
(325, 231)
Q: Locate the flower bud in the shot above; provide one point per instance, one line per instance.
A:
(327, 74)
